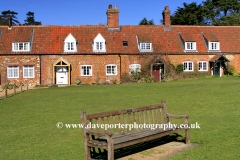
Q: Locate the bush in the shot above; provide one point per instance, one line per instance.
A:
(10, 86)
(179, 68)
(77, 81)
(105, 83)
(114, 81)
(231, 70)
(53, 85)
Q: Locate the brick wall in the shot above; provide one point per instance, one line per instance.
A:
(98, 63)
(20, 61)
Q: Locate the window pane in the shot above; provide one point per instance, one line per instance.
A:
(113, 69)
(20, 46)
(97, 45)
(101, 44)
(200, 66)
(26, 46)
(188, 45)
(15, 46)
(25, 72)
(185, 66)
(190, 66)
(204, 66)
(108, 69)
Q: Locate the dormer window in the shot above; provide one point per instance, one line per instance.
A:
(21, 46)
(145, 46)
(213, 46)
(70, 44)
(99, 44)
(190, 46)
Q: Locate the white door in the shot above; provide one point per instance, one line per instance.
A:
(61, 75)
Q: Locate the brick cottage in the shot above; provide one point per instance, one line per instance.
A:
(61, 54)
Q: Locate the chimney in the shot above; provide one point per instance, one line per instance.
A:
(112, 17)
(166, 19)
(9, 22)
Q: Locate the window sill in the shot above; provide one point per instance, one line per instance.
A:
(86, 75)
(13, 77)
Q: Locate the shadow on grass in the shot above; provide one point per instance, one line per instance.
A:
(10, 95)
(102, 154)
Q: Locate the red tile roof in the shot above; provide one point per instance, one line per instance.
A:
(50, 39)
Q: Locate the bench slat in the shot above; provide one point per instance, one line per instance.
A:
(139, 117)
(157, 116)
(108, 118)
(149, 121)
(97, 124)
(119, 119)
(153, 117)
(125, 121)
(114, 121)
(123, 111)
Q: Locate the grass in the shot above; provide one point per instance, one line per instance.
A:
(28, 120)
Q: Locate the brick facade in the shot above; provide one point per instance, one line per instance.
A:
(20, 61)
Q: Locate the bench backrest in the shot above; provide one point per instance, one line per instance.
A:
(154, 114)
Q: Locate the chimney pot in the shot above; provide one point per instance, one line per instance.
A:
(115, 7)
(166, 8)
(110, 6)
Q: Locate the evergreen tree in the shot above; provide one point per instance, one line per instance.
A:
(30, 19)
(190, 14)
(230, 20)
(6, 14)
(146, 22)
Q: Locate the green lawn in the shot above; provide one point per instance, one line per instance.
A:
(28, 120)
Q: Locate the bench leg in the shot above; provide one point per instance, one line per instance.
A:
(87, 152)
(187, 134)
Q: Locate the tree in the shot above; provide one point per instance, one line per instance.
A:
(30, 19)
(146, 22)
(6, 14)
(230, 20)
(191, 14)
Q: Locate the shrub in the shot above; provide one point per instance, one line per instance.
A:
(78, 81)
(53, 85)
(105, 83)
(231, 70)
(179, 68)
(10, 86)
(114, 81)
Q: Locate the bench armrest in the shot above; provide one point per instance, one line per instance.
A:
(178, 117)
(96, 133)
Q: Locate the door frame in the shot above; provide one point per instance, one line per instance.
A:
(61, 63)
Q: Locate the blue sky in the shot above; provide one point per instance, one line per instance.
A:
(90, 12)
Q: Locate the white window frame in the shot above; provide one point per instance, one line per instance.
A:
(10, 69)
(187, 66)
(111, 74)
(86, 67)
(135, 68)
(192, 46)
(200, 66)
(145, 47)
(70, 44)
(99, 44)
(213, 46)
(16, 46)
(28, 68)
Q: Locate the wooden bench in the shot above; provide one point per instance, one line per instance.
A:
(116, 138)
